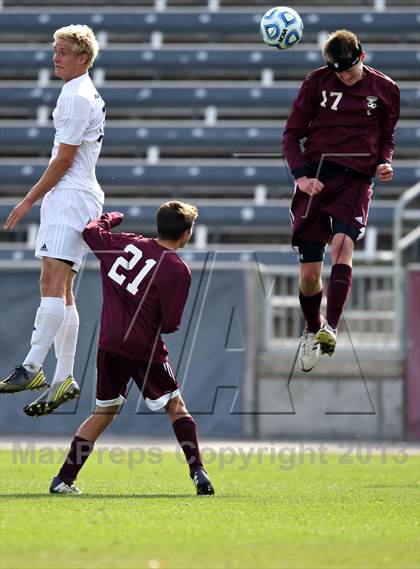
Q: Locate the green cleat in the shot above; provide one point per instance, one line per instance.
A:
(21, 380)
(326, 338)
(55, 396)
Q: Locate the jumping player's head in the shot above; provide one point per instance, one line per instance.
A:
(175, 222)
(343, 54)
(75, 50)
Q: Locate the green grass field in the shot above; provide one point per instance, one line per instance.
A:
(308, 515)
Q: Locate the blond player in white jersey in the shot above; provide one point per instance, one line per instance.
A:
(72, 197)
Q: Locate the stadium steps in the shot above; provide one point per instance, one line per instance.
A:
(169, 99)
(237, 213)
(188, 177)
(213, 4)
(240, 229)
(169, 139)
(212, 61)
(198, 24)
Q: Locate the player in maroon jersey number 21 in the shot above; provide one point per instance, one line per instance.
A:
(339, 135)
(145, 288)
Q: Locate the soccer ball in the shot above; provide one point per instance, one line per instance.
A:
(281, 27)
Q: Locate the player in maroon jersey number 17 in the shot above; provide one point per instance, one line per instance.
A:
(339, 135)
(145, 288)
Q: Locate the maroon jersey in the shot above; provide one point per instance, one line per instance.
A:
(337, 119)
(145, 288)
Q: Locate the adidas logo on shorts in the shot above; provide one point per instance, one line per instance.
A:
(44, 247)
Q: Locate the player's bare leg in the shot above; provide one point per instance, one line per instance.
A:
(310, 297)
(185, 430)
(81, 448)
(95, 424)
(339, 287)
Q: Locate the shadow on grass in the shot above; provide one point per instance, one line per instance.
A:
(112, 496)
(399, 486)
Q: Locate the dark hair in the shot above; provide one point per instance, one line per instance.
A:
(341, 44)
(174, 218)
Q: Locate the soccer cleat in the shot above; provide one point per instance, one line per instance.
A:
(202, 483)
(55, 396)
(309, 351)
(326, 337)
(21, 379)
(58, 486)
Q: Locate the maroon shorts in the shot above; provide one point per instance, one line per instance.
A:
(344, 198)
(156, 381)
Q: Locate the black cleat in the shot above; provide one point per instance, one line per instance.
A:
(21, 380)
(58, 486)
(52, 398)
(202, 483)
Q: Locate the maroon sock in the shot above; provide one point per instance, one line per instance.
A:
(186, 433)
(311, 308)
(339, 287)
(78, 454)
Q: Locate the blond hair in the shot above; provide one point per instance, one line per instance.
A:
(83, 39)
(174, 218)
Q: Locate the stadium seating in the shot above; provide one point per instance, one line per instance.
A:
(244, 23)
(236, 213)
(213, 5)
(135, 139)
(131, 177)
(194, 99)
(166, 62)
(254, 232)
(172, 98)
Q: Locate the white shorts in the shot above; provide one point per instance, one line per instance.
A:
(64, 215)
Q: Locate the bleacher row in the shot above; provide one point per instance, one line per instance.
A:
(218, 221)
(213, 5)
(195, 106)
(142, 211)
(216, 62)
(191, 178)
(188, 24)
(134, 139)
(26, 99)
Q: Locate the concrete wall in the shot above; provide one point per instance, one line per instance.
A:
(342, 398)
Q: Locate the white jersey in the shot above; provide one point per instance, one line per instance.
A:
(79, 119)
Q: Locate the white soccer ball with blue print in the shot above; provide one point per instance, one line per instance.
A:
(281, 27)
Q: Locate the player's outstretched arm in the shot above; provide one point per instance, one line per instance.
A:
(53, 174)
(97, 233)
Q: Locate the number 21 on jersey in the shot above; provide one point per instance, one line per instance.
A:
(132, 286)
(335, 95)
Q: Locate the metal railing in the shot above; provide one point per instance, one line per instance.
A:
(375, 315)
(369, 321)
(401, 242)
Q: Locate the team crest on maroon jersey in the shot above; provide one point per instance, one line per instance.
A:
(372, 104)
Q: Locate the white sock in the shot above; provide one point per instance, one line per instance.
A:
(65, 343)
(48, 319)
